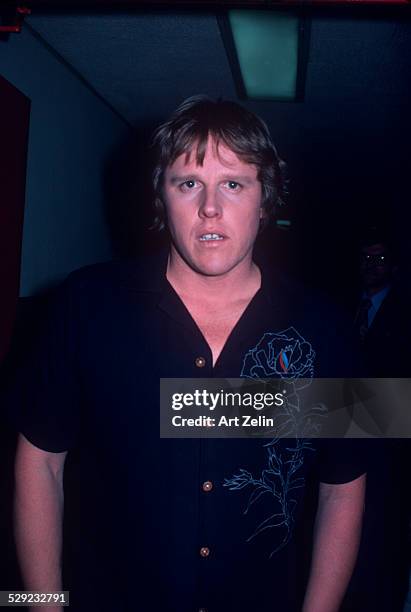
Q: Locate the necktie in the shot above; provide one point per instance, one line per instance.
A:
(361, 319)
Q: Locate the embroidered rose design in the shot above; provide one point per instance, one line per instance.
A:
(288, 356)
(284, 354)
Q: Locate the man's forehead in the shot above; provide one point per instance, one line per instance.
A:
(375, 249)
(215, 150)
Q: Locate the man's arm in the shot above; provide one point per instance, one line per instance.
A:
(336, 539)
(38, 517)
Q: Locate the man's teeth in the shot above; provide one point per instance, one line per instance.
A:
(211, 237)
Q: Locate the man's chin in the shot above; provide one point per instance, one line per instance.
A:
(211, 264)
(212, 270)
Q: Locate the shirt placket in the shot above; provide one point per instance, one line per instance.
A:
(206, 549)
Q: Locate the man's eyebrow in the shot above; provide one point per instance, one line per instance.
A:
(180, 178)
(241, 178)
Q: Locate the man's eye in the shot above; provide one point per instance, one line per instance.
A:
(233, 185)
(187, 185)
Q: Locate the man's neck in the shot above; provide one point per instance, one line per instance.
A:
(240, 283)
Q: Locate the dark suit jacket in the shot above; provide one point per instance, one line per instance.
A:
(387, 344)
(381, 577)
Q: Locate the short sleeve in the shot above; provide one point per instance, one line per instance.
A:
(343, 460)
(43, 398)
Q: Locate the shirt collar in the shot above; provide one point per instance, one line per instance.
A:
(148, 275)
(378, 298)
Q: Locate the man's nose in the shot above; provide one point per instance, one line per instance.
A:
(209, 205)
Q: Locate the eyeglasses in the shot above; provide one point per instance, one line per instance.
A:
(379, 260)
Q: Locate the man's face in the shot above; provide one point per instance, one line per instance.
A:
(376, 266)
(213, 210)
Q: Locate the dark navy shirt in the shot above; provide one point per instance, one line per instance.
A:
(178, 525)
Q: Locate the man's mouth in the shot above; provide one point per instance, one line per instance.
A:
(209, 237)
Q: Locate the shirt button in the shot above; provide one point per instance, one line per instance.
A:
(200, 362)
(207, 486)
(204, 551)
